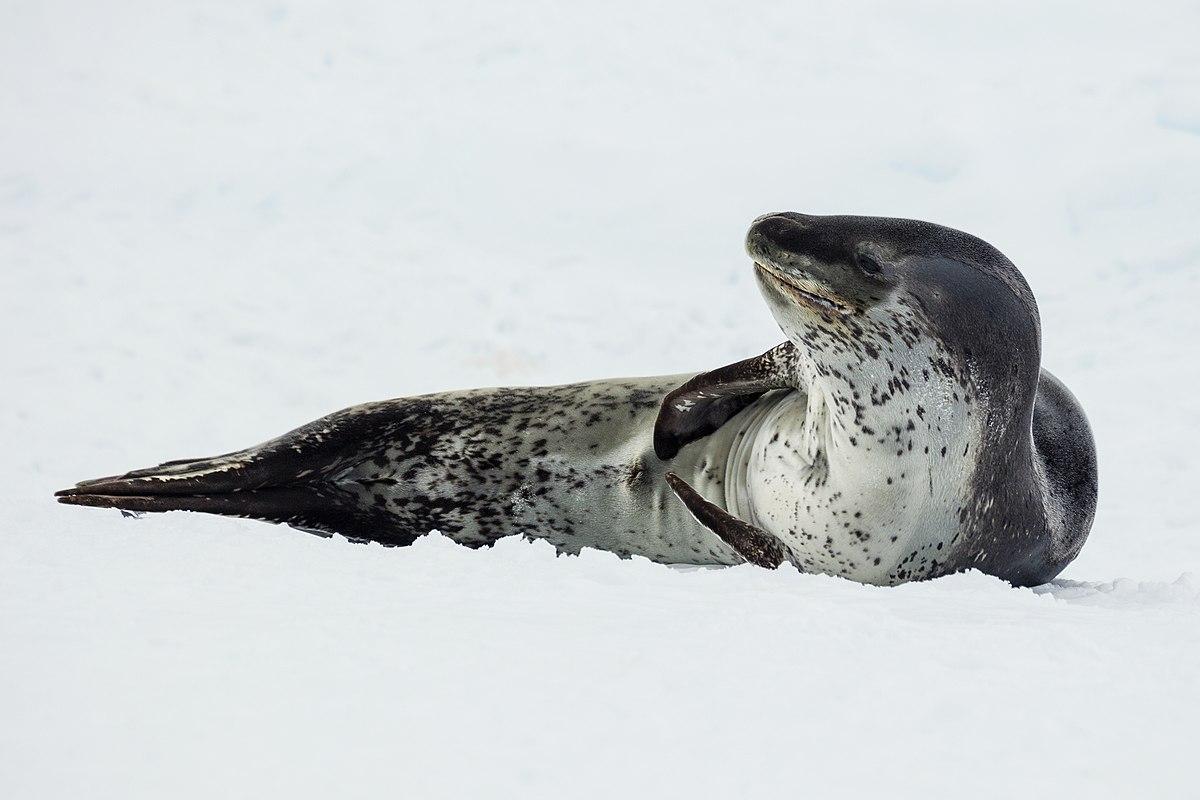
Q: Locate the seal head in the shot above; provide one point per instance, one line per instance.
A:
(922, 425)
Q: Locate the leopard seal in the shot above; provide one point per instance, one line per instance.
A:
(904, 430)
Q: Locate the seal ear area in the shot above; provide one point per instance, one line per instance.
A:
(751, 543)
(710, 399)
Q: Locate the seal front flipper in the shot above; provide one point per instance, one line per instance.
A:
(709, 400)
(751, 543)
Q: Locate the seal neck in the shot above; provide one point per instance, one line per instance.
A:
(875, 422)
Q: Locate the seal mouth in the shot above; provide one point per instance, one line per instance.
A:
(805, 292)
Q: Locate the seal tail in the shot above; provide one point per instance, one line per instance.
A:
(291, 480)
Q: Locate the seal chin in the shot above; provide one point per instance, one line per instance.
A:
(805, 291)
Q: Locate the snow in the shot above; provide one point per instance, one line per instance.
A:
(218, 221)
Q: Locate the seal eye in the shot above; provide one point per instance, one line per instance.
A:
(868, 264)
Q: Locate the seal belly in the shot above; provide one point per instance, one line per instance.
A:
(863, 511)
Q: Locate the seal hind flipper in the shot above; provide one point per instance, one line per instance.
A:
(751, 543)
(707, 401)
(291, 479)
(315, 508)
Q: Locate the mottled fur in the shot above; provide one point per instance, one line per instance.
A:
(904, 431)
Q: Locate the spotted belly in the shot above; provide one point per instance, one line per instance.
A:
(866, 511)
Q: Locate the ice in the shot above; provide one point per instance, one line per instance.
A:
(220, 221)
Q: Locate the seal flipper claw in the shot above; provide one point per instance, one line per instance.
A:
(710, 399)
(751, 543)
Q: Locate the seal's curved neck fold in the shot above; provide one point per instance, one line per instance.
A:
(885, 400)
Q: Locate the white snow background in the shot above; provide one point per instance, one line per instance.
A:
(221, 220)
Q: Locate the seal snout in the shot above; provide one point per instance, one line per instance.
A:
(777, 223)
(788, 252)
(773, 237)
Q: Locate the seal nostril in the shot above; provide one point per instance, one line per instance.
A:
(868, 264)
(777, 232)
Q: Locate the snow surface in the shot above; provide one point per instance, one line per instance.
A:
(218, 221)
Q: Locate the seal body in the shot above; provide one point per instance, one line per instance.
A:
(570, 464)
(904, 430)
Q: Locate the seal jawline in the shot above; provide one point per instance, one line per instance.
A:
(806, 293)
